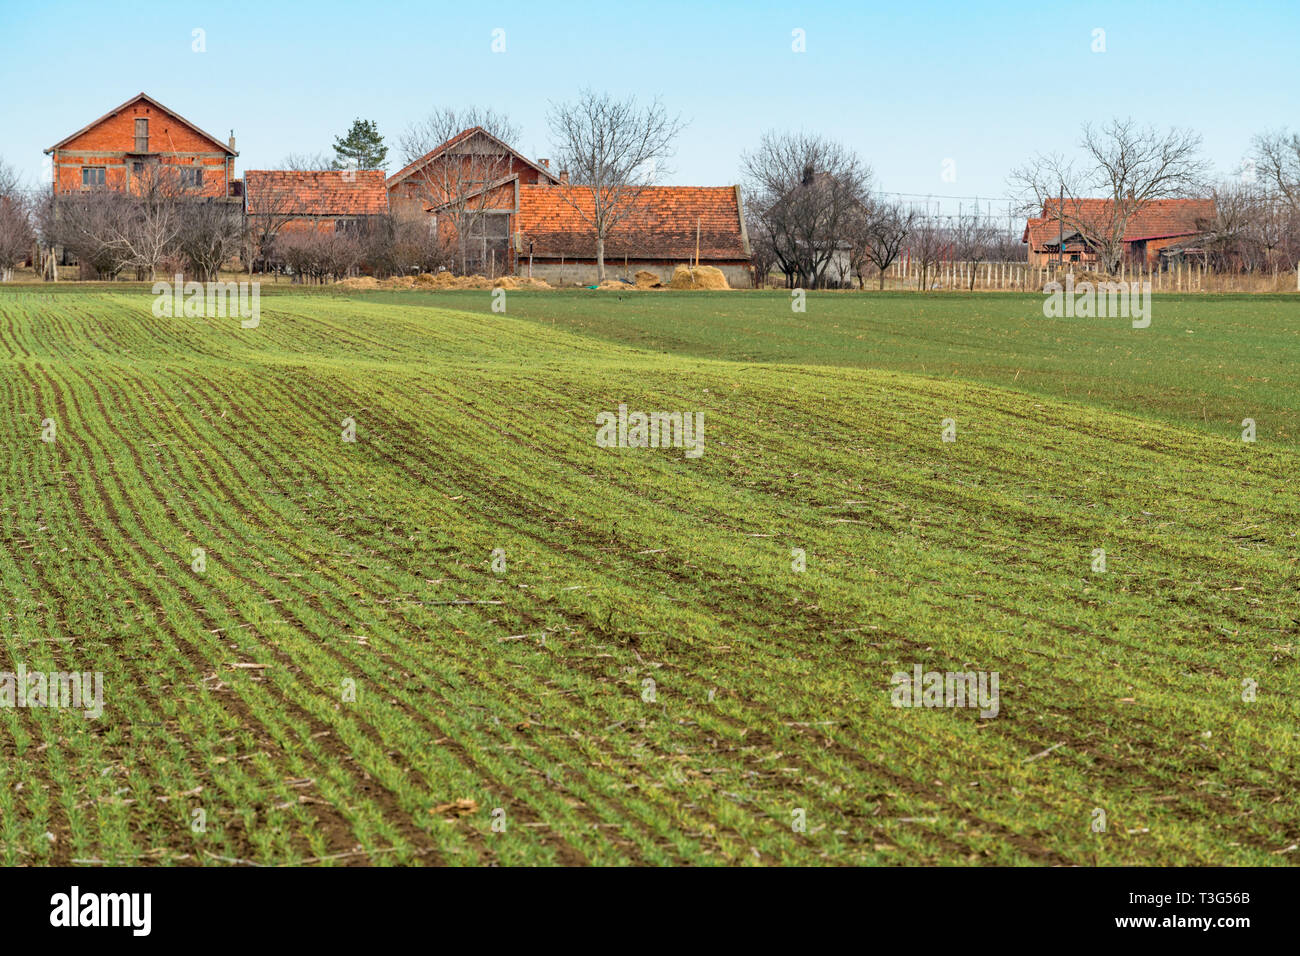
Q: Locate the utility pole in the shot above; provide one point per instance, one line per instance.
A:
(1060, 228)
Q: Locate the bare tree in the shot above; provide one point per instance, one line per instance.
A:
(808, 192)
(930, 243)
(1230, 236)
(90, 226)
(884, 235)
(1128, 165)
(1005, 245)
(1275, 230)
(762, 251)
(417, 246)
(212, 233)
(274, 205)
(16, 234)
(341, 252)
(459, 183)
(10, 181)
(1277, 159)
(150, 226)
(306, 161)
(317, 254)
(972, 239)
(613, 150)
(299, 249)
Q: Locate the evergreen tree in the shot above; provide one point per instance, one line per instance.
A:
(361, 148)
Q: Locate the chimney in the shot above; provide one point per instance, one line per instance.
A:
(231, 174)
(564, 177)
(546, 163)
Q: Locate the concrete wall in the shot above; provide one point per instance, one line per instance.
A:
(584, 273)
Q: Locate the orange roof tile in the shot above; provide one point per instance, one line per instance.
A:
(331, 192)
(661, 225)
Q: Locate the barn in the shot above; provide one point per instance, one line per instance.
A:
(665, 226)
(521, 217)
(1155, 224)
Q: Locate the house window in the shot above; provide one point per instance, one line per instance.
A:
(92, 175)
(137, 169)
(141, 135)
(191, 177)
(345, 225)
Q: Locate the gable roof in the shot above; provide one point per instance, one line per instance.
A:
(152, 102)
(1042, 233)
(1154, 219)
(410, 168)
(661, 225)
(325, 192)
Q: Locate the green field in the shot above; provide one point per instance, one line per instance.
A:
(524, 692)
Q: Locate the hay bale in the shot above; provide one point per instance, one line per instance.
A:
(360, 282)
(701, 277)
(645, 279)
(520, 282)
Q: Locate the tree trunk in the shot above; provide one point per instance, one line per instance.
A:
(600, 259)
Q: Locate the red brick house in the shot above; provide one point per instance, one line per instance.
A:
(1157, 223)
(111, 151)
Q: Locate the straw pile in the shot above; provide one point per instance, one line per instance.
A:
(701, 277)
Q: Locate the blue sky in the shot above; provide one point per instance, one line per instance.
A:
(909, 85)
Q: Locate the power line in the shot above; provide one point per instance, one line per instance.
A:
(886, 192)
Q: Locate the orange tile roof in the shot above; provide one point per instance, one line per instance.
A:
(1040, 232)
(330, 192)
(661, 225)
(1154, 219)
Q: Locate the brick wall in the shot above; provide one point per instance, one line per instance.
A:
(109, 143)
